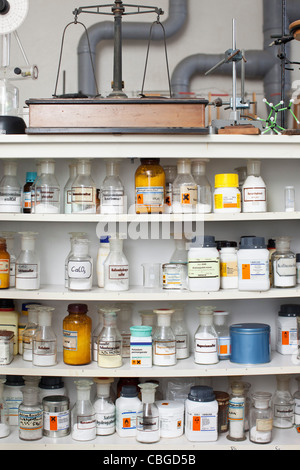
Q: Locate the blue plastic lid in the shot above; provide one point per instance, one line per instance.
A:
(250, 328)
(31, 176)
(129, 391)
(104, 239)
(204, 241)
(250, 243)
(141, 330)
(201, 393)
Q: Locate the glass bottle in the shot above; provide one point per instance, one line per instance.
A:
(236, 413)
(10, 189)
(30, 179)
(124, 322)
(222, 329)
(4, 412)
(33, 187)
(110, 341)
(171, 173)
(47, 190)
(164, 341)
(283, 404)
(95, 334)
(150, 182)
(73, 236)
(104, 408)
(28, 263)
(204, 201)
(80, 266)
(29, 332)
(242, 175)
(77, 330)
(116, 268)
(284, 264)
(184, 189)
(4, 265)
(68, 188)
(181, 333)
(10, 241)
(112, 190)
(83, 418)
(30, 415)
(44, 344)
(147, 426)
(206, 338)
(296, 398)
(254, 191)
(148, 318)
(84, 189)
(261, 418)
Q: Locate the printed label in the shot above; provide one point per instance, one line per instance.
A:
(70, 339)
(4, 266)
(30, 420)
(203, 422)
(86, 194)
(254, 194)
(227, 202)
(109, 348)
(59, 421)
(205, 345)
(229, 269)
(118, 272)
(150, 196)
(48, 194)
(105, 420)
(224, 346)
(86, 422)
(165, 348)
(147, 424)
(27, 271)
(253, 269)
(204, 268)
(236, 410)
(188, 194)
(112, 198)
(285, 267)
(27, 200)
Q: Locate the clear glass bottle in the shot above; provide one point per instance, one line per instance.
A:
(112, 190)
(77, 331)
(206, 338)
(30, 415)
(150, 183)
(28, 263)
(10, 189)
(147, 426)
(296, 398)
(148, 318)
(10, 246)
(4, 265)
(261, 418)
(110, 340)
(171, 173)
(124, 322)
(29, 332)
(116, 268)
(221, 319)
(68, 188)
(164, 341)
(181, 333)
(283, 404)
(185, 190)
(47, 190)
(104, 408)
(83, 417)
(236, 413)
(204, 201)
(284, 264)
(44, 344)
(73, 236)
(80, 266)
(84, 189)
(254, 191)
(95, 334)
(4, 412)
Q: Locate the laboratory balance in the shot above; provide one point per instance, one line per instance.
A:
(117, 113)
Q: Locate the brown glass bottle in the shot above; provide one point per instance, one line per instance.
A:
(4, 265)
(77, 330)
(150, 184)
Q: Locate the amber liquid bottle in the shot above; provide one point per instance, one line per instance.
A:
(77, 330)
(4, 265)
(150, 184)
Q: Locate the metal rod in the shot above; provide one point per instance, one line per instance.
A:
(234, 68)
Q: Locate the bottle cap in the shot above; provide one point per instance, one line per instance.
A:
(129, 391)
(227, 180)
(104, 239)
(7, 304)
(14, 380)
(201, 393)
(250, 243)
(77, 308)
(31, 176)
(205, 241)
(141, 330)
(51, 383)
(289, 310)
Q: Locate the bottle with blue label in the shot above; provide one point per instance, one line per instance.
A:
(127, 407)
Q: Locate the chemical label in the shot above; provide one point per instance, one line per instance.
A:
(283, 411)
(236, 409)
(224, 346)
(172, 280)
(181, 341)
(84, 195)
(86, 422)
(4, 353)
(165, 348)
(70, 340)
(253, 269)
(201, 422)
(254, 194)
(30, 420)
(112, 198)
(150, 196)
(147, 423)
(109, 348)
(48, 194)
(105, 421)
(207, 268)
(59, 421)
(27, 200)
(188, 194)
(141, 354)
(8, 199)
(4, 266)
(79, 269)
(264, 425)
(118, 272)
(229, 269)
(285, 267)
(227, 202)
(27, 271)
(206, 345)
(128, 420)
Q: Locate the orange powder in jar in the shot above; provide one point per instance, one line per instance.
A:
(150, 185)
(77, 330)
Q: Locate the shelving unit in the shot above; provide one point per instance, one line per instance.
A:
(167, 147)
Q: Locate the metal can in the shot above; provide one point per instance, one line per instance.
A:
(56, 410)
(6, 347)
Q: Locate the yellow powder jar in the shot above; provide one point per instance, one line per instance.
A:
(4, 265)
(150, 183)
(77, 330)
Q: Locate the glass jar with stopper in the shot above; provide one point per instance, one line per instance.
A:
(283, 404)
(4, 412)
(110, 340)
(147, 426)
(28, 263)
(181, 333)
(164, 341)
(47, 190)
(68, 188)
(44, 343)
(30, 415)
(73, 237)
(185, 190)
(10, 189)
(284, 267)
(112, 190)
(261, 418)
(116, 267)
(105, 409)
(83, 189)
(171, 173)
(30, 331)
(206, 337)
(204, 201)
(77, 330)
(83, 417)
(236, 413)
(124, 322)
(80, 266)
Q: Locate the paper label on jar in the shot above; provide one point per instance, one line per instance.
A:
(254, 194)
(4, 266)
(27, 271)
(10, 198)
(150, 196)
(181, 341)
(70, 340)
(113, 198)
(118, 272)
(86, 422)
(285, 267)
(253, 269)
(59, 421)
(79, 269)
(109, 348)
(227, 202)
(224, 346)
(48, 194)
(229, 269)
(206, 345)
(283, 411)
(4, 353)
(85, 194)
(147, 424)
(236, 409)
(264, 425)
(30, 420)
(204, 268)
(188, 194)
(164, 348)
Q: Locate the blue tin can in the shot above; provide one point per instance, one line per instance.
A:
(250, 343)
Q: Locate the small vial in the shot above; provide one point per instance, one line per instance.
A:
(289, 198)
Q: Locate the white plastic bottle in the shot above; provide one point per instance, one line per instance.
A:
(253, 264)
(229, 266)
(254, 190)
(103, 252)
(201, 414)
(203, 265)
(127, 407)
(116, 268)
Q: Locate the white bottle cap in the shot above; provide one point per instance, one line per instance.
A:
(148, 392)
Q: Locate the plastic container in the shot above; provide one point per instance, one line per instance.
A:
(141, 346)
(6, 347)
(9, 318)
(127, 407)
(287, 337)
(227, 196)
(253, 265)
(171, 418)
(250, 343)
(201, 414)
(228, 266)
(203, 265)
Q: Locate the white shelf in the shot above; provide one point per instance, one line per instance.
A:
(280, 364)
(283, 439)
(127, 218)
(141, 294)
(137, 146)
